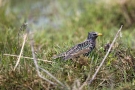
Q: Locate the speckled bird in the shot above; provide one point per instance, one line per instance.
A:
(82, 48)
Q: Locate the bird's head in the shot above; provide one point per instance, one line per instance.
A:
(93, 35)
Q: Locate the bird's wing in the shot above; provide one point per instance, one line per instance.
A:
(76, 54)
(79, 49)
(65, 53)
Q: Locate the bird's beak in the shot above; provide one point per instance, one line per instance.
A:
(99, 34)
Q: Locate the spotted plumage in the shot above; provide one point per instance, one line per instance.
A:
(83, 48)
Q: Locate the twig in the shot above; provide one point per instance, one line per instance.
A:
(35, 60)
(52, 76)
(94, 75)
(27, 58)
(37, 68)
(24, 40)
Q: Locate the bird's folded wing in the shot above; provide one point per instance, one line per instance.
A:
(83, 51)
(77, 50)
(76, 54)
(84, 45)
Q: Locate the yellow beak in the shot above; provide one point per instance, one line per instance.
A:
(99, 34)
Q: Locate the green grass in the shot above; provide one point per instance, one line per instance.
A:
(117, 73)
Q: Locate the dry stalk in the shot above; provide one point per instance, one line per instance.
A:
(101, 64)
(24, 40)
(27, 58)
(37, 67)
(52, 76)
(35, 60)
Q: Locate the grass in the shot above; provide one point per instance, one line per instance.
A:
(117, 73)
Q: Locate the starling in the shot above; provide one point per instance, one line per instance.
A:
(83, 48)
